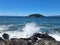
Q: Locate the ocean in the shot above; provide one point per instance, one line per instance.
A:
(24, 27)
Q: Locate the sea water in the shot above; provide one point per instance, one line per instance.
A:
(24, 27)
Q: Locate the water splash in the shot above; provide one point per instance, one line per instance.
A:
(30, 29)
(27, 31)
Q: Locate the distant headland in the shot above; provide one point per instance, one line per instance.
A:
(36, 15)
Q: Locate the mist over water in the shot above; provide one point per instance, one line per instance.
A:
(26, 27)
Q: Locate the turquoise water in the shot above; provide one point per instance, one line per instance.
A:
(49, 25)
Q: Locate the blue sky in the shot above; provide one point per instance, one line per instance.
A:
(26, 7)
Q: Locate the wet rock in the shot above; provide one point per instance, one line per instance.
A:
(26, 38)
(16, 41)
(1, 38)
(5, 36)
(43, 36)
(5, 42)
(47, 42)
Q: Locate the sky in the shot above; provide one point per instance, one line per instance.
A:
(27, 7)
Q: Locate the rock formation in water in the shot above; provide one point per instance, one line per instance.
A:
(5, 36)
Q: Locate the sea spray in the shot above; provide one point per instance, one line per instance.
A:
(30, 29)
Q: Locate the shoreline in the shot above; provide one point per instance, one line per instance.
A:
(45, 39)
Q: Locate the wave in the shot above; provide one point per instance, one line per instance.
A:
(30, 29)
(27, 31)
(4, 27)
(56, 36)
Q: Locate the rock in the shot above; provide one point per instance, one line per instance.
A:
(36, 35)
(47, 42)
(42, 36)
(26, 38)
(46, 36)
(34, 39)
(5, 42)
(16, 41)
(5, 36)
(2, 43)
(1, 38)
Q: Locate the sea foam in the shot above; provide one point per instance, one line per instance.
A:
(27, 31)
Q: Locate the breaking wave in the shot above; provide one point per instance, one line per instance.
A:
(27, 31)
(4, 27)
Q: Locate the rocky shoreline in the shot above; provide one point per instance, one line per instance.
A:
(36, 39)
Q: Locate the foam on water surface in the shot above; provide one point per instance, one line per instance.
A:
(27, 31)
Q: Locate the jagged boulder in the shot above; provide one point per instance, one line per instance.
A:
(5, 36)
(42, 36)
(47, 42)
(15, 41)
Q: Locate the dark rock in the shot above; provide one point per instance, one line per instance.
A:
(26, 38)
(47, 42)
(42, 36)
(29, 43)
(1, 38)
(16, 41)
(19, 42)
(46, 36)
(36, 35)
(2, 43)
(34, 39)
(5, 42)
(5, 36)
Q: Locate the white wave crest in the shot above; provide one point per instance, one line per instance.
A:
(56, 36)
(4, 27)
(30, 29)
